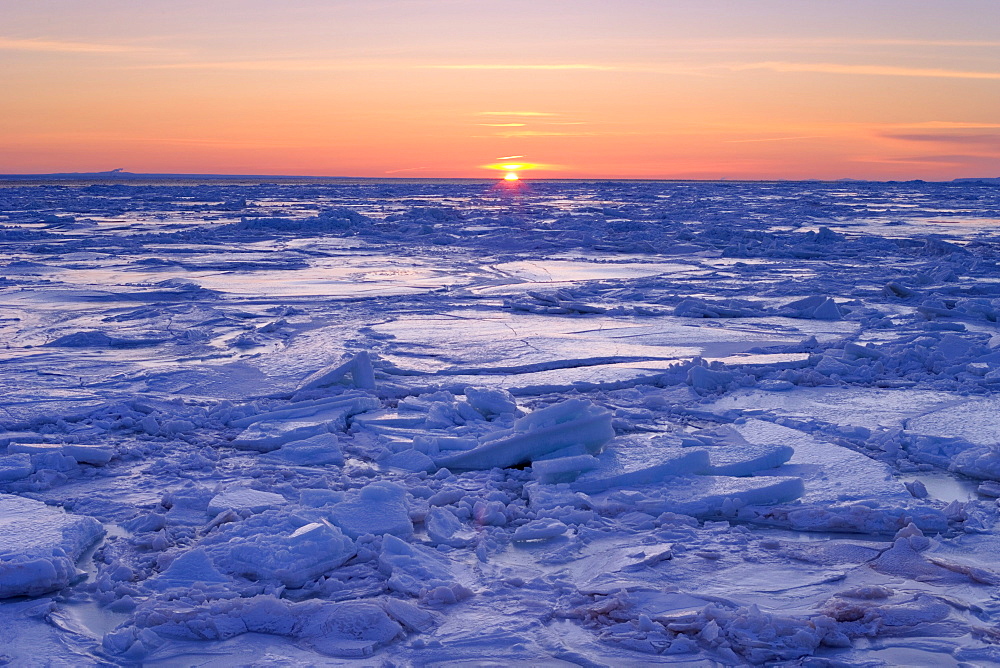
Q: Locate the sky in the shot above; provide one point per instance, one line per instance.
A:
(707, 89)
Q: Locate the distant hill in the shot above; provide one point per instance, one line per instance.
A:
(995, 180)
(122, 175)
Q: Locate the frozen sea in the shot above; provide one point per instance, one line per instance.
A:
(462, 423)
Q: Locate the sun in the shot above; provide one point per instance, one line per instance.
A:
(512, 169)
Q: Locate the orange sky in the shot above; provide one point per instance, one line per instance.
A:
(581, 88)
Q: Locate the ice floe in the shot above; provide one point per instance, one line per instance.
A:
(39, 546)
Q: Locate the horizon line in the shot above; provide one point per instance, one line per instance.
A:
(122, 175)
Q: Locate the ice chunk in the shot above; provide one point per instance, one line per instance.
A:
(572, 422)
(268, 436)
(40, 545)
(816, 307)
(635, 462)
(391, 418)
(378, 508)
(894, 289)
(990, 488)
(775, 385)
(317, 498)
(734, 455)
(435, 444)
(571, 451)
(697, 308)
(191, 567)
(563, 469)
(917, 489)
(702, 378)
(904, 559)
(491, 403)
(541, 529)
(15, 466)
(981, 462)
(188, 504)
(35, 448)
(54, 461)
(347, 629)
(88, 339)
(359, 368)
(335, 407)
(350, 629)
(244, 498)
(705, 496)
(272, 430)
(861, 518)
(409, 615)
(316, 450)
(98, 455)
(263, 551)
(409, 460)
(443, 528)
(419, 571)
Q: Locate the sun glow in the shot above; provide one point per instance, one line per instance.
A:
(512, 170)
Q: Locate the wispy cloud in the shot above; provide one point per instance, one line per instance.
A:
(407, 169)
(681, 69)
(228, 143)
(113, 138)
(947, 125)
(544, 133)
(979, 138)
(320, 65)
(516, 113)
(522, 66)
(277, 65)
(502, 125)
(961, 43)
(868, 70)
(324, 65)
(955, 160)
(789, 44)
(708, 69)
(984, 143)
(56, 46)
(746, 141)
(333, 65)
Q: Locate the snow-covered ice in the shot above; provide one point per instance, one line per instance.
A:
(39, 546)
(566, 423)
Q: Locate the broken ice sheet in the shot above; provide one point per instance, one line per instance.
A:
(850, 406)
(831, 473)
(974, 420)
(240, 292)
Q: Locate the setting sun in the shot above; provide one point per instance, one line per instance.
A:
(512, 170)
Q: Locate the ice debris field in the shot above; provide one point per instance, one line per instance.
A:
(453, 423)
